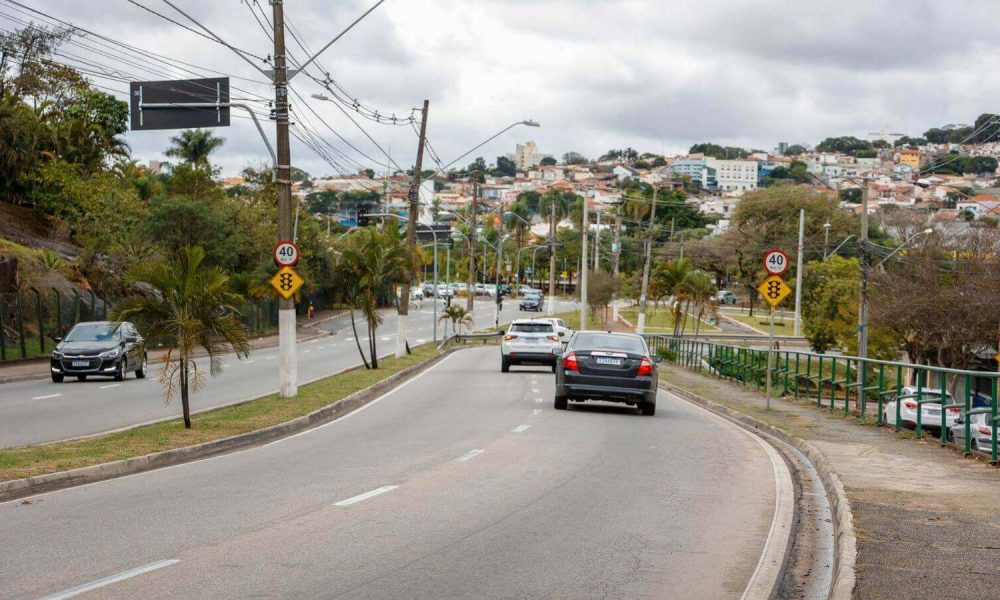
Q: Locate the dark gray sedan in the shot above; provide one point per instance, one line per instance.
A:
(614, 367)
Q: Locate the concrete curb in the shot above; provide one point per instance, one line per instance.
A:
(845, 553)
(20, 488)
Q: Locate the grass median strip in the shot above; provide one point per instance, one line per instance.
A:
(29, 461)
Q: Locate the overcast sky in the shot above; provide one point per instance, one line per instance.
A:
(656, 75)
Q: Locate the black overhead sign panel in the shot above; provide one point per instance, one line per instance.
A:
(179, 104)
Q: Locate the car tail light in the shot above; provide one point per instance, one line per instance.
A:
(554, 338)
(569, 363)
(985, 430)
(645, 368)
(510, 337)
(953, 409)
(910, 404)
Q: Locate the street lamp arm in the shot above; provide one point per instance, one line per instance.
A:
(904, 245)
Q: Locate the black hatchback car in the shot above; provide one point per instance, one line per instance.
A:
(99, 348)
(615, 367)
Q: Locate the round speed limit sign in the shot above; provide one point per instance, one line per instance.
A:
(776, 262)
(286, 254)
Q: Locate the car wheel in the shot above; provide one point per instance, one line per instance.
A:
(81, 378)
(560, 403)
(504, 364)
(648, 409)
(950, 437)
(975, 445)
(140, 373)
(57, 377)
(120, 373)
(554, 365)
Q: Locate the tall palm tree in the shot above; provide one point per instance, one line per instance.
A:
(194, 145)
(668, 277)
(187, 306)
(377, 261)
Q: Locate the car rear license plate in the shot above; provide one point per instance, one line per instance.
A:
(81, 363)
(614, 362)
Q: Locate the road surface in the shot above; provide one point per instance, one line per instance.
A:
(39, 411)
(461, 483)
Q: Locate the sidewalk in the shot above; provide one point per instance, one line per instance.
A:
(37, 368)
(927, 520)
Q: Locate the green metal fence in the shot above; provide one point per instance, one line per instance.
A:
(833, 381)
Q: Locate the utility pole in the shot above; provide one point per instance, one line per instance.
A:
(798, 273)
(617, 257)
(583, 269)
(643, 301)
(597, 244)
(411, 238)
(288, 365)
(471, 299)
(863, 301)
(552, 259)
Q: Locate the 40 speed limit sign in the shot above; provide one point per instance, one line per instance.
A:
(775, 262)
(286, 254)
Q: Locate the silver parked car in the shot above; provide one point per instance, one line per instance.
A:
(981, 433)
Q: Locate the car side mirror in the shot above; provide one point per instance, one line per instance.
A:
(58, 339)
(131, 339)
(502, 331)
(657, 358)
(562, 334)
(960, 420)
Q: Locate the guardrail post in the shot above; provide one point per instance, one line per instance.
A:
(798, 365)
(833, 382)
(881, 388)
(944, 411)
(899, 392)
(41, 325)
(20, 323)
(93, 306)
(920, 396)
(863, 378)
(968, 404)
(819, 384)
(76, 294)
(993, 415)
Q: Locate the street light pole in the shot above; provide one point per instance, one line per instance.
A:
(411, 236)
(863, 300)
(798, 275)
(643, 302)
(583, 269)
(826, 239)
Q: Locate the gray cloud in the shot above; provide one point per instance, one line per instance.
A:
(653, 74)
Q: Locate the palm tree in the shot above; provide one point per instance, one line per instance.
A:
(668, 277)
(377, 261)
(194, 145)
(187, 306)
(458, 317)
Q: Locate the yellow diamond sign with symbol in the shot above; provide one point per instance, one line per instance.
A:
(287, 282)
(774, 289)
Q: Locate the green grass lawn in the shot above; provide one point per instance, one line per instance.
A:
(662, 321)
(761, 321)
(31, 347)
(28, 461)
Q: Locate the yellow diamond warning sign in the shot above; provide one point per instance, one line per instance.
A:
(774, 289)
(287, 282)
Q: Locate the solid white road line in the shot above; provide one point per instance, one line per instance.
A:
(108, 387)
(366, 495)
(46, 397)
(82, 589)
(271, 358)
(469, 455)
(520, 429)
(248, 362)
(537, 412)
(539, 400)
(768, 571)
(306, 351)
(536, 390)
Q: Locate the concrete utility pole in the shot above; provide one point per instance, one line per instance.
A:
(288, 364)
(411, 237)
(583, 269)
(863, 300)
(597, 243)
(617, 257)
(798, 273)
(470, 301)
(552, 260)
(641, 325)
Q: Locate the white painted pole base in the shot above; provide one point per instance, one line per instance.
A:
(401, 335)
(640, 327)
(552, 305)
(288, 368)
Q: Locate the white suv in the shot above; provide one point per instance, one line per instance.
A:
(530, 342)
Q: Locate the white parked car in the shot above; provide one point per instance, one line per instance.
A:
(529, 341)
(416, 293)
(930, 414)
(482, 289)
(444, 291)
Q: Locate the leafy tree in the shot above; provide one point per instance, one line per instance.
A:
(643, 165)
(852, 195)
(830, 303)
(980, 165)
(530, 199)
(194, 145)
(191, 306)
(795, 150)
(574, 158)
(601, 289)
(846, 145)
(548, 161)
(866, 154)
(717, 151)
(506, 167)
(175, 221)
(799, 171)
(659, 161)
(458, 316)
(910, 141)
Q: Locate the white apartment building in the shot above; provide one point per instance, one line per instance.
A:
(526, 156)
(734, 175)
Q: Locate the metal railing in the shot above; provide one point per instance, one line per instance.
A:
(834, 379)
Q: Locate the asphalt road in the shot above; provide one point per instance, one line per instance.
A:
(462, 483)
(41, 411)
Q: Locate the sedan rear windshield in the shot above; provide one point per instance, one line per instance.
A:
(600, 341)
(92, 333)
(531, 328)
